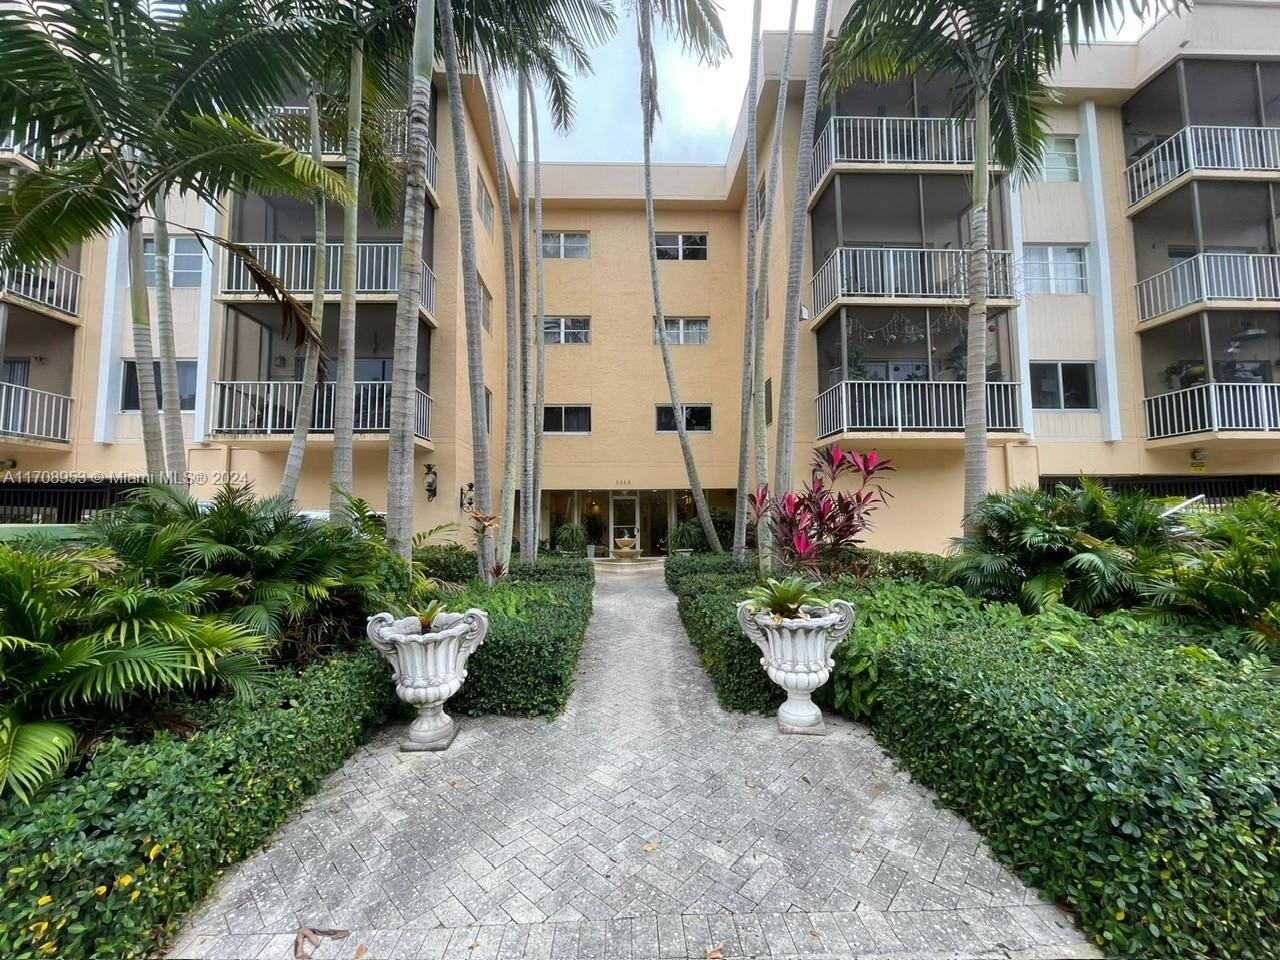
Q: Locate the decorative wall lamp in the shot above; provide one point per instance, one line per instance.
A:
(431, 482)
(467, 497)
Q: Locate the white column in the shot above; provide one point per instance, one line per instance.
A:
(1098, 261)
(204, 329)
(114, 297)
(1022, 326)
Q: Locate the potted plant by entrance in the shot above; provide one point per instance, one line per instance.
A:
(796, 632)
(428, 656)
(595, 534)
(571, 538)
(686, 538)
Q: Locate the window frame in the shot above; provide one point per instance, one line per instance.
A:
(486, 305)
(563, 329)
(187, 363)
(1067, 167)
(680, 246)
(659, 407)
(1060, 277)
(561, 245)
(681, 340)
(562, 407)
(484, 202)
(1061, 385)
(149, 257)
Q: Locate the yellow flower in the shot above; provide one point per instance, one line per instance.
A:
(155, 852)
(1119, 914)
(100, 890)
(38, 928)
(49, 947)
(43, 900)
(135, 895)
(125, 880)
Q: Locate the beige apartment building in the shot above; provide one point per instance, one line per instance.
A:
(1134, 326)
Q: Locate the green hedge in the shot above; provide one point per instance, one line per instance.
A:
(1137, 781)
(901, 565)
(537, 620)
(678, 569)
(450, 562)
(101, 864)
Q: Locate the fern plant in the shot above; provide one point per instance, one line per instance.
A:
(78, 634)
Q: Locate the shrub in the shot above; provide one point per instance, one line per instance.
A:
(102, 864)
(898, 565)
(552, 569)
(1086, 546)
(1136, 781)
(688, 536)
(571, 538)
(450, 562)
(679, 569)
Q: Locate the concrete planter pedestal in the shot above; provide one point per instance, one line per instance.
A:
(796, 653)
(428, 667)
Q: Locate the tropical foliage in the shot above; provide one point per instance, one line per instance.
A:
(785, 598)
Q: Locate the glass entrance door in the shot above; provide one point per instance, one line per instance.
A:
(624, 512)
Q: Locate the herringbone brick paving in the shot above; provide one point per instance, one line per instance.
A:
(645, 823)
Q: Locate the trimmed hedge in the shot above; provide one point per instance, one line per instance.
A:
(101, 864)
(537, 620)
(902, 565)
(1138, 781)
(451, 562)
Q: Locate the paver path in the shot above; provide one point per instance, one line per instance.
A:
(644, 823)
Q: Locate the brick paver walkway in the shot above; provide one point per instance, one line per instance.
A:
(644, 823)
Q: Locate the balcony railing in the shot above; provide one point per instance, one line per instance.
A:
(377, 269)
(34, 414)
(892, 140)
(855, 406)
(15, 145)
(1211, 407)
(292, 126)
(50, 285)
(911, 273)
(1210, 276)
(258, 407)
(1203, 148)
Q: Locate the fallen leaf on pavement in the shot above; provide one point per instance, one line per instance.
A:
(361, 951)
(474, 946)
(716, 952)
(651, 846)
(804, 778)
(313, 936)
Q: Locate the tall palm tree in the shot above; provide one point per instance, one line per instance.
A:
(129, 107)
(526, 324)
(997, 57)
(795, 262)
(696, 23)
(540, 363)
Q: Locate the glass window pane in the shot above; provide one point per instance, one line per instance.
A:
(551, 245)
(1044, 386)
(666, 421)
(577, 330)
(551, 330)
(577, 419)
(668, 246)
(149, 263)
(1079, 391)
(553, 419)
(694, 246)
(697, 331)
(1036, 270)
(697, 417)
(577, 246)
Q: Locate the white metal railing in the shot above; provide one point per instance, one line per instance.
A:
(292, 126)
(377, 269)
(270, 407)
(937, 140)
(22, 146)
(1214, 406)
(934, 405)
(1210, 276)
(427, 288)
(34, 414)
(1202, 148)
(50, 284)
(905, 272)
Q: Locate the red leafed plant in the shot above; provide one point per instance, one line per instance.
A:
(814, 527)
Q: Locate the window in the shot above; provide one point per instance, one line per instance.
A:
(488, 410)
(1061, 164)
(697, 418)
(565, 419)
(130, 399)
(186, 261)
(686, 330)
(1055, 269)
(1064, 386)
(558, 245)
(566, 329)
(768, 401)
(486, 306)
(681, 246)
(484, 202)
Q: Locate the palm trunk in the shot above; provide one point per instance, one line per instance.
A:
(975, 371)
(526, 324)
(749, 298)
(344, 392)
(648, 110)
(471, 294)
(140, 307)
(305, 408)
(175, 444)
(540, 373)
(799, 217)
(404, 364)
(507, 505)
(762, 286)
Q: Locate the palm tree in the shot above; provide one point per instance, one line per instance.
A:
(526, 325)
(128, 107)
(540, 365)
(997, 57)
(795, 261)
(697, 25)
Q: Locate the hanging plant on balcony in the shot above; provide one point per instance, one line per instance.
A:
(818, 528)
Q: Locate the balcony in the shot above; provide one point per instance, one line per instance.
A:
(916, 406)
(268, 408)
(30, 414)
(905, 274)
(1238, 280)
(1249, 408)
(23, 151)
(377, 272)
(908, 143)
(49, 285)
(292, 126)
(1203, 149)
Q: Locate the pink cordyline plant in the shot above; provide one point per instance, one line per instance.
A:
(815, 527)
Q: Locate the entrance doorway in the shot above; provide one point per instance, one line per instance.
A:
(654, 522)
(624, 519)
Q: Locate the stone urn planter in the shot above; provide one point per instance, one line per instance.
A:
(428, 666)
(796, 653)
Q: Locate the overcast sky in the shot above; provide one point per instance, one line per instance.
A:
(699, 103)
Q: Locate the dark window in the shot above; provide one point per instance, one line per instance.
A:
(488, 410)
(768, 401)
(565, 419)
(697, 418)
(1064, 386)
(681, 246)
(130, 399)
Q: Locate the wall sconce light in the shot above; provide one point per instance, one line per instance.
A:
(279, 360)
(467, 497)
(804, 313)
(1200, 454)
(430, 482)
(8, 464)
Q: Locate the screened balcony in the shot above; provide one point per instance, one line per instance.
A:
(905, 274)
(269, 407)
(38, 356)
(1202, 149)
(52, 286)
